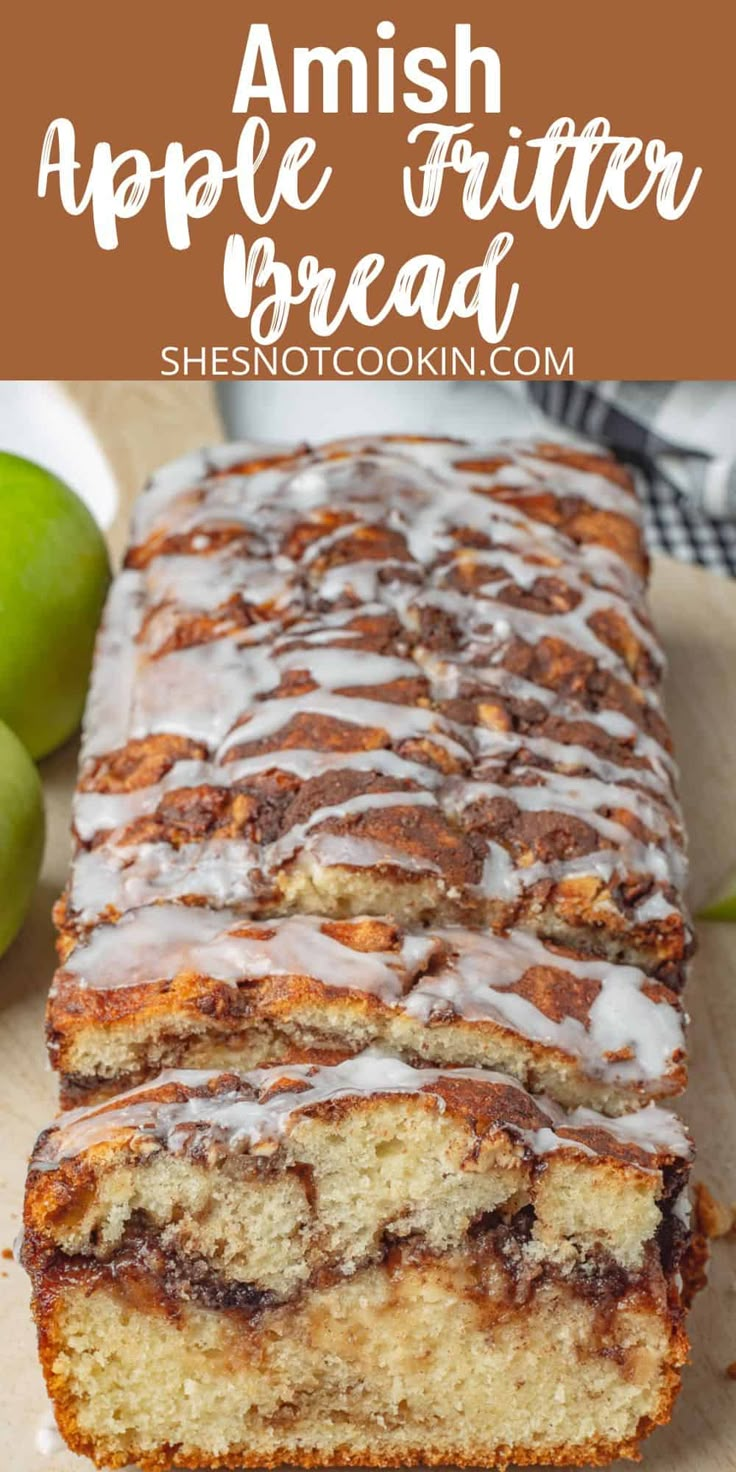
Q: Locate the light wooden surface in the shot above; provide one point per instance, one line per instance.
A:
(696, 614)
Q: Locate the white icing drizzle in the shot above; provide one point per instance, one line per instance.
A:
(301, 835)
(157, 943)
(96, 812)
(488, 618)
(622, 1018)
(562, 755)
(217, 871)
(475, 981)
(99, 812)
(400, 722)
(260, 1124)
(567, 480)
(200, 692)
(583, 797)
(112, 685)
(204, 584)
(447, 674)
(524, 571)
(428, 492)
(222, 693)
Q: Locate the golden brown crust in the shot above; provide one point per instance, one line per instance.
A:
(486, 1104)
(424, 1002)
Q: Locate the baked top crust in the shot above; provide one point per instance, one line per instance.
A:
(390, 676)
(193, 1109)
(168, 971)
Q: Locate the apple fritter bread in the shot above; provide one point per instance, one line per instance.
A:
(369, 978)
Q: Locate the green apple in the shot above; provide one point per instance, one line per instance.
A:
(21, 833)
(54, 572)
(723, 904)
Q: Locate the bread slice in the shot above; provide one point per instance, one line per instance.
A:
(363, 1262)
(184, 986)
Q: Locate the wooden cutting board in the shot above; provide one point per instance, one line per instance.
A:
(142, 425)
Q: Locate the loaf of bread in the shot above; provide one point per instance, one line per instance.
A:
(376, 794)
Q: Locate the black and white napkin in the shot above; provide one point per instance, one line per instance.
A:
(680, 438)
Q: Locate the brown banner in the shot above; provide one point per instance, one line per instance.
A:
(637, 293)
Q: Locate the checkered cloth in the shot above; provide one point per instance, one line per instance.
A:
(680, 438)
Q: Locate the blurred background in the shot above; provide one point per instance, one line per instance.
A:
(679, 437)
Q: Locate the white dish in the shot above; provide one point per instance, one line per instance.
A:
(40, 421)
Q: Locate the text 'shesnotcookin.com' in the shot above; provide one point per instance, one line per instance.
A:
(370, 361)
